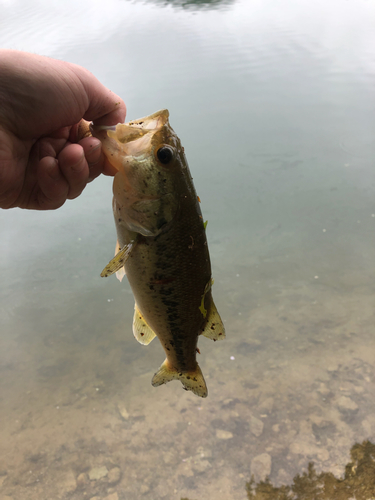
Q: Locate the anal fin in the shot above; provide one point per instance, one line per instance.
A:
(192, 381)
(118, 260)
(141, 331)
(214, 328)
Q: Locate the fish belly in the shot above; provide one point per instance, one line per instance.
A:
(168, 285)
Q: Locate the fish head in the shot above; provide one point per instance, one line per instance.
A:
(149, 159)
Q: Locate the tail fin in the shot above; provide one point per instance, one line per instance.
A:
(192, 381)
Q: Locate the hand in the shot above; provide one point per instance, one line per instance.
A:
(43, 161)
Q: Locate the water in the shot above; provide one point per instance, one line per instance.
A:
(274, 104)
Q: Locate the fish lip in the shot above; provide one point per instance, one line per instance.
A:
(98, 128)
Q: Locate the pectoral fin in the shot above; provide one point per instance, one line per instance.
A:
(142, 332)
(149, 217)
(192, 381)
(119, 260)
(214, 328)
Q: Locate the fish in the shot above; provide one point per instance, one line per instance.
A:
(161, 244)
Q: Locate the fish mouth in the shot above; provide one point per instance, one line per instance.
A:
(125, 133)
(152, 122)
(132, 139)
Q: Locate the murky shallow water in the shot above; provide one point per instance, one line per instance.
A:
(274, 104)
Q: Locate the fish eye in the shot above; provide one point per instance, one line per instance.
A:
(165, 154)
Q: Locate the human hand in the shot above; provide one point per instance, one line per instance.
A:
(43, 160)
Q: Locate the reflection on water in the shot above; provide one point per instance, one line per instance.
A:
(357, 483)
(195, 4)
(274, 105)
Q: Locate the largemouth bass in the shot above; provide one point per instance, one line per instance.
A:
(162, 245)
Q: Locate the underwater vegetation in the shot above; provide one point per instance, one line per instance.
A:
(358, 482)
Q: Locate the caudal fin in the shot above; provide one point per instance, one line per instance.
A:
(192, 381)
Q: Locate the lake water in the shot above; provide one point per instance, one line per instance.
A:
(274, 104)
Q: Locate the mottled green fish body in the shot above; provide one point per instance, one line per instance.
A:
(162, 245)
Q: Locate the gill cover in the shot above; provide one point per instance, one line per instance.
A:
(145, 199)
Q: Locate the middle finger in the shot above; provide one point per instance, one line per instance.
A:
(74, 167)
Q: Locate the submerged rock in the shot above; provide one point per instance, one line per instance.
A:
(82, 480)
(113, 496)
(256, 426)
(114, 475)
(345, 403)
(97, 473)
(221, 434)
(261, 466)
(67, 483)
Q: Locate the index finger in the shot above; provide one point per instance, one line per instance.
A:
(104, 107)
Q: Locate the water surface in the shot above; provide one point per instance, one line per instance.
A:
(274, 104)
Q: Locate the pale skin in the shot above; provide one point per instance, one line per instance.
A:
(43, 162)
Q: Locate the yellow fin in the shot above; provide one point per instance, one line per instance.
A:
(214, 328)
(118, 260)
(142, 332)
(192, 381)
(121, 272)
